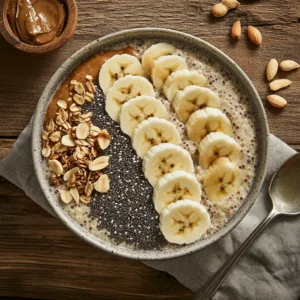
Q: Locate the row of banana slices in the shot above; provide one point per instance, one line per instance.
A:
(130, 100)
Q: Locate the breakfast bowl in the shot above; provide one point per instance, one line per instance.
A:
(15, 28)
(110, 221)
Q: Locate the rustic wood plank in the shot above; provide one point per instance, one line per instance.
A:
(41, 258)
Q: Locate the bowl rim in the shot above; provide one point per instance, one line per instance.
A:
(89, 237)
(66, 34)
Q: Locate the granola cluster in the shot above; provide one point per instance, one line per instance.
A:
(73, 146)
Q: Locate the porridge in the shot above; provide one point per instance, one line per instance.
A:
(180, 145)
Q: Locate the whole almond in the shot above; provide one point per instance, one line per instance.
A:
(65, 196)
(102, 184)
(82, 130)
(279, 84)
(230, 4)
(288, 65)
(55, 166)
(99, 163)
(272, 68)
(277, 101)
(236, 30)
(254, 35)
(219, 10)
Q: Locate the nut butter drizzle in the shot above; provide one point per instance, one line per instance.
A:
(91, 66)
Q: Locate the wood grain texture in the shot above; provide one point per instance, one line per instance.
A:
(40, 258)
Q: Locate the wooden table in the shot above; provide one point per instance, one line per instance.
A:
(40, 258)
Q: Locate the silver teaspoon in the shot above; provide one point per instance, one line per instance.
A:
(284, 191)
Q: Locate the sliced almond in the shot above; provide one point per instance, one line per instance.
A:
(236, 30)
(55, 136)
(89, 77)
(104, 139)
(90, 86)
(87, 98)
(78, 99)
(89, 189)
(94, 131)
(289, 65)
(65, 196)
(99, 163)
(86, 117)
(75, 108)
(82, 131)
(85, 199)
(50, 126)
(59, 147)
(272, 69)
(279, 84)
(75, 194)
(79, 88)
(102, 184)
(62, 104)
(45, 135)
(69, 173)
(277, 101)
(254, 35)
(67, 140)
(46, 151)
(55, 166)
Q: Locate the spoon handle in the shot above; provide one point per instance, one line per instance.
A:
(212, 285)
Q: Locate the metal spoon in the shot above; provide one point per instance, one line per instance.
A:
(284, 191)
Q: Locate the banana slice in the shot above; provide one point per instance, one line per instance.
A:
(153, 52)
(117, 67)
(192, 98)
(164, 66)
(222, 179)
(123, 90)
(154, 131)
(166, 158)
(175, 186)
(139, 109)
(215, 145)
(179, 80)
(206, 120)
(184, 222)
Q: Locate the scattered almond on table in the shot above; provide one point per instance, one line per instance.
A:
(272, 69)
(279, 84)
(236, 30)
(289, 65)
(221, 9)
(254, 35)
(277, 101)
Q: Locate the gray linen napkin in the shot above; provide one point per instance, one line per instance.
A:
(270, 269)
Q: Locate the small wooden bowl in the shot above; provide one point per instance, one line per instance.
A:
(7, 33)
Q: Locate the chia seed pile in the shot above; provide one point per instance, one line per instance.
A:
(126, 213)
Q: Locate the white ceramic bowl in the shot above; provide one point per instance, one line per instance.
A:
(164, 35)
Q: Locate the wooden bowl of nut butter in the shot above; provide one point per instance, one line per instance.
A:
(37, 26)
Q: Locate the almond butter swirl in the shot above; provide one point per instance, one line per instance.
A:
(36, 22)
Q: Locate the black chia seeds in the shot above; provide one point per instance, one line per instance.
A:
(126, 211)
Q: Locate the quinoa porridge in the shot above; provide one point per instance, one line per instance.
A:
(125, 213)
